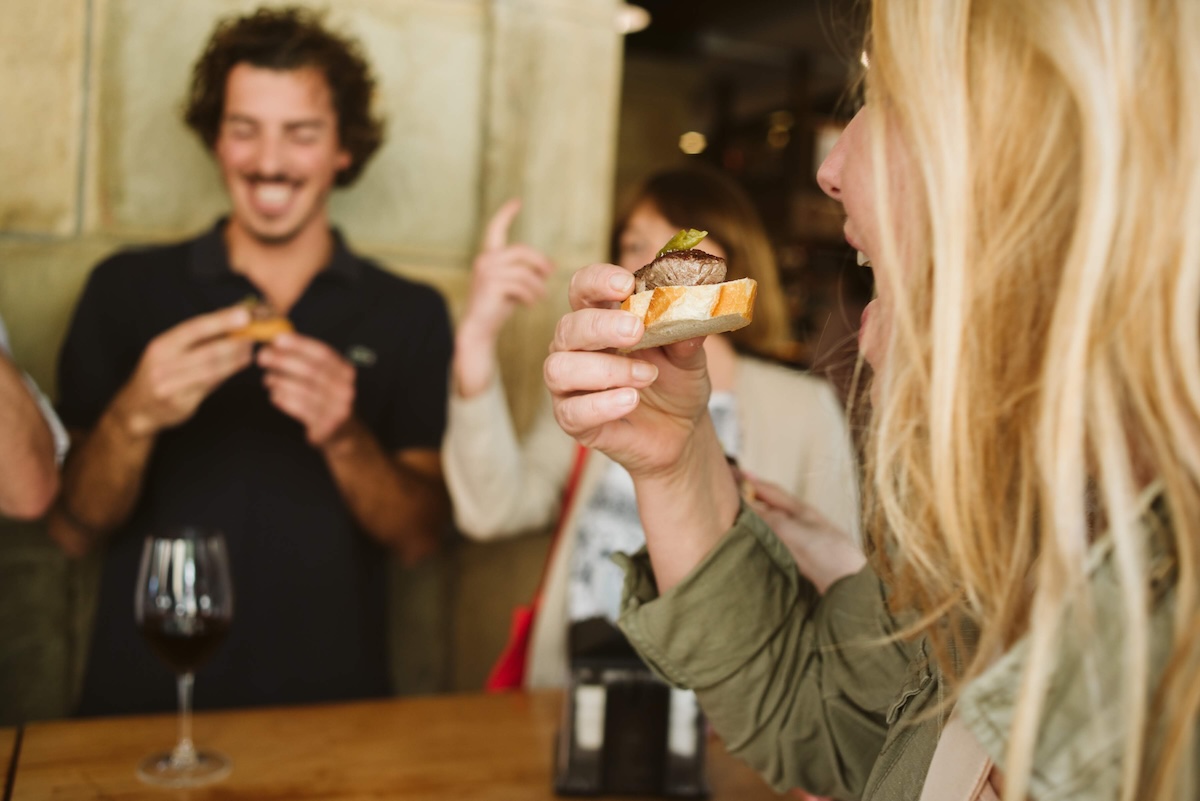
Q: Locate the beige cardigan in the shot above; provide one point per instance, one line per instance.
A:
(793, 433)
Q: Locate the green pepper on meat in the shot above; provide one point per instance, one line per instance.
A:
(686, 239)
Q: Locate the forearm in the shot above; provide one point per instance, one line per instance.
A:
(102, 480)
(797, 685)
(686, 511)
(401, 507)
(474, 366)
(28, 472)
(500, 485)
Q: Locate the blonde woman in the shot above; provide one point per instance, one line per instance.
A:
(784, 425)
(1025, 182)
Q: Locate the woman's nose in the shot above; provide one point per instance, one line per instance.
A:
(829, 176)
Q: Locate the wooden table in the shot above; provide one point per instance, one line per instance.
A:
(469, 747)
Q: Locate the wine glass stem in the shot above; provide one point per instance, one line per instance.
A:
(184, 754)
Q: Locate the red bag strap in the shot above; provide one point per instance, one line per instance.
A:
(581, 454)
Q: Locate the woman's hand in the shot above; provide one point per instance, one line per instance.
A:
(504, 275)
(823, 552)
(641, 409)
(647, 411)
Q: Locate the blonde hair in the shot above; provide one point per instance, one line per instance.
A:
(1044, 362)
(703, 198)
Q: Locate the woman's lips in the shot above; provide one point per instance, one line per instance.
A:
(862, 322)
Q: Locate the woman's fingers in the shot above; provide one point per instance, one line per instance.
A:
(773, 495)
(599, 285)
(514, 258)
(596, 329)
(569, 373)
(530, 258)
(583, 415)
(591, 389)
(495, 233)
(523, 287)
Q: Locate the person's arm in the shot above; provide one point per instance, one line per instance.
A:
(29, 469)
(503, 276)
(649, 413)
(399, 498)
(823, 552)
(103, 475)
(798, 684)
(500, 486)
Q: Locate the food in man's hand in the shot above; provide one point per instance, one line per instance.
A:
(265, 323)
(683, 294)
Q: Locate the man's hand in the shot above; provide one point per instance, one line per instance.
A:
(822, 552)
(180, 368)
(107, 465)
(311, 382)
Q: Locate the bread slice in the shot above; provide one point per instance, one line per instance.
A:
(263, 330)
(675, 313)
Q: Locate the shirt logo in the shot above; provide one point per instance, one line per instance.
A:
(360, 356)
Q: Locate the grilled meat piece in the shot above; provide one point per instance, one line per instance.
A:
(680, 268)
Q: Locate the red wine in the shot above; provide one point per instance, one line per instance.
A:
(184, 643)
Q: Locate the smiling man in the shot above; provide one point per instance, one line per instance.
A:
(316, 453)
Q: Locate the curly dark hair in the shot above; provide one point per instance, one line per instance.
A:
(289, 39)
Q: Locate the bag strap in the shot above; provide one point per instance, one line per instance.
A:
(581, 454)
(960, 767)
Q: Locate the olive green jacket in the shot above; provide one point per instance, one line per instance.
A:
(807, 690)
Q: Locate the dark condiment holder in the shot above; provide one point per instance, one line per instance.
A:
(624, 731)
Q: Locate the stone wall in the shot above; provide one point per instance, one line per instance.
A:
(485, 99)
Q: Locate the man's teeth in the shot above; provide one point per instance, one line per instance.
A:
(274, 195)
(863, 259)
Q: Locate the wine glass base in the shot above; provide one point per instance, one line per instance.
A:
(161, 771)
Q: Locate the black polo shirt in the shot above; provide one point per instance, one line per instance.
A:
(310, 586)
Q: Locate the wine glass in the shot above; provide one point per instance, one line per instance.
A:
(183, 606)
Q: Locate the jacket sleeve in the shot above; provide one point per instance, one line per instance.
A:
(798, 685)
(501, 487)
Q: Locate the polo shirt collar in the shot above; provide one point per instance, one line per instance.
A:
(210, 258)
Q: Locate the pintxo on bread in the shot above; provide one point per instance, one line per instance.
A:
(682, 294)
(265, 323)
